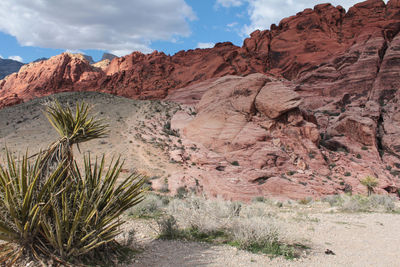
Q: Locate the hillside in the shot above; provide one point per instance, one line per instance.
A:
(8, 66)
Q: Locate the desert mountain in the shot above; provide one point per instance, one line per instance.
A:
(8, 66)
(306, 108)
(108, 56)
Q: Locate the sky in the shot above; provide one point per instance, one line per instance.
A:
(32, 29)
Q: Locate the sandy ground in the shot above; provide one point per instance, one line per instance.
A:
(360, 239)
(25, 127)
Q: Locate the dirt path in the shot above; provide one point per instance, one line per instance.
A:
(356, 239)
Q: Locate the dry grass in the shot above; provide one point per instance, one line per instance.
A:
(359, 203)
(250, 226)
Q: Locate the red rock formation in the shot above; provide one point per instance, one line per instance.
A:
(279, 156)
(343, 48)
(65, 72)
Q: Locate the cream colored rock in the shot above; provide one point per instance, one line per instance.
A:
(275, 99)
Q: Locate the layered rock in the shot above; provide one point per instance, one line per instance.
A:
(242, 151)
(66, 72)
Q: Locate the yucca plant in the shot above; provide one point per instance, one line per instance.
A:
(370, 182)
(50, 208)
(86, 214)
(24, 198)
(73, 127)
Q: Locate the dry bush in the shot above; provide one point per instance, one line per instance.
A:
(203, 214)
(254, 230)
(151, 207)
(359, 203)
(247, 226)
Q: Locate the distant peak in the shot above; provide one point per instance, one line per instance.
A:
(108, 56)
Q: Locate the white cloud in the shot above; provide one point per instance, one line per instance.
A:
(263, 13)
(231, 25)
(1, 56)
(229, 3)
(74, 51)
(205, 45)
(17, 58)
(113, 25)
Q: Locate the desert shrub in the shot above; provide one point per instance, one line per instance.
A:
(246, 226)
(258, 235)
(370, 182)
(385, 202)
(333, 200)
(202, 214)
(168, 228)
(305, 201)
(181, 192)
(359, 203)
(51, 208)
(258, 199)
(168, 131)
(151, 207)
(253, 230)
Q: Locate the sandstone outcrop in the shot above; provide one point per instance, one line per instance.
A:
(276, 99)
(243, 152)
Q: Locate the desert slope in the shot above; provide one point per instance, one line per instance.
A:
(231, 143)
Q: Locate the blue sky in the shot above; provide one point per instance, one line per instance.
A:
(31, 29)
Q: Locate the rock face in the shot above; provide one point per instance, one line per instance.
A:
(108, 56)
(276, 99)
(242, 151)
(66, 72)
(245, 153)
(8, 66)
(327, 88)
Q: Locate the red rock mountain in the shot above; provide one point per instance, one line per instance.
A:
(342, 66)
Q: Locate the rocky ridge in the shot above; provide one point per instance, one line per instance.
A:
(8, 66)
(335, 74)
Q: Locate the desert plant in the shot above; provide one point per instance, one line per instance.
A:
(150, 207)
(168, 227)
(370, 182)
(85, 214)
(246, 226)
(50, 208)
(23, 199)
(359, 203)
(333, 200)
(73, 127)
(181, 192)
(305, 201)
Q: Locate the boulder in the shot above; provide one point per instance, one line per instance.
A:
(275, 99)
